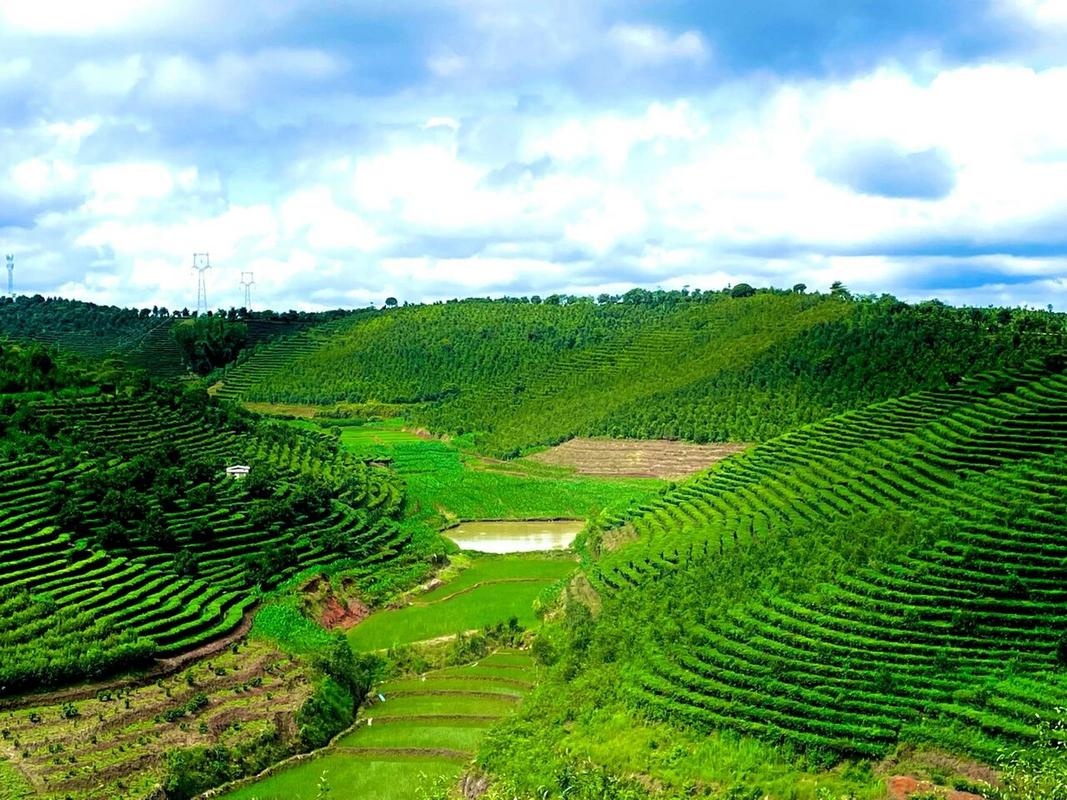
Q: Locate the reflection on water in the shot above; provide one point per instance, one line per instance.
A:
(508, 536)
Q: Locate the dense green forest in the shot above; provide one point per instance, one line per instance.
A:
(700, 366)
(165, 343)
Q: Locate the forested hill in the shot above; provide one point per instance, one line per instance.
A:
(700, 366)
(147, 338)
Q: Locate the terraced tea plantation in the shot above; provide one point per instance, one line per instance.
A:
(112, 559)
(279, 349)
(413, 732)
(702, 366)
(850, 662)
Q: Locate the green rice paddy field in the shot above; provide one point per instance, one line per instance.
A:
(491, 590)
(443, 480)
(414, 731)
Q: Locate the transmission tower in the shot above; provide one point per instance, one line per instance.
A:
(201, 263)
(11, 275)
(248, 283)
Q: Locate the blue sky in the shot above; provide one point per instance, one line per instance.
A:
(351, 150)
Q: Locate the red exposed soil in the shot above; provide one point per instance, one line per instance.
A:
(334, 609)
(336, 615)
(901, 787)
(658, 458)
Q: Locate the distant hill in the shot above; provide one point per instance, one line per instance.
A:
(141, 338)
(703, 366)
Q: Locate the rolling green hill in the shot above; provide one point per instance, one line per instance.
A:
(130, 337)
(703, 367)
(122, 539)
(889, 576)
(881, 574)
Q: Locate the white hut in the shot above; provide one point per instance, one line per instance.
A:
(238, 471)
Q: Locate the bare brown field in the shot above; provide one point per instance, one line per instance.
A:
(637, 458)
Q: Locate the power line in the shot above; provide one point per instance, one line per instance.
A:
(201, 263)
(247, 282)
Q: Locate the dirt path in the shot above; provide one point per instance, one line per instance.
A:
(162, 668)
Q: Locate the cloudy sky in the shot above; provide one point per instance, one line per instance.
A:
(345, 151)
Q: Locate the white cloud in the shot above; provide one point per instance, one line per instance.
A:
(442, 122)
(14, 69)
(121, 189)
(39, 178)
(327, 227)
(115, 77)
(201, 19)
(620, 216)
(423, 193)
(648, 44)
(446, 65)
(1039, 12)
(82, 19)
(233, 81)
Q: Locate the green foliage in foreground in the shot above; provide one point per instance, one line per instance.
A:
(1038, 772)
(192, 770)
(702, 366)
(326, 713)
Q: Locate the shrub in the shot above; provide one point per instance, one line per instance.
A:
(325, 714)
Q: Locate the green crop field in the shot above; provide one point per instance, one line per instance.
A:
(491, 590)
(353, 778)
(443, 480)
(412, 733)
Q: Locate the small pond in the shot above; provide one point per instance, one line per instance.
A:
(515, 536)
